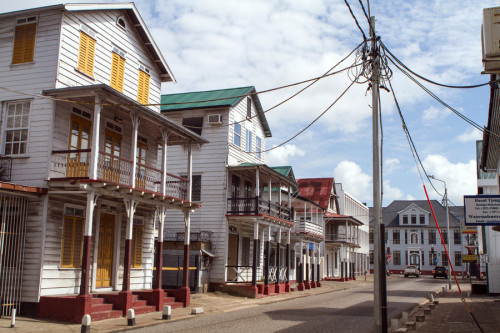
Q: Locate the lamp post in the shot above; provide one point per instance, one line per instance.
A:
(447, 226)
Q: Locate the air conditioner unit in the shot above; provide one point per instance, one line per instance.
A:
(215, 119)
(491, 40)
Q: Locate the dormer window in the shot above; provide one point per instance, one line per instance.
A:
(405, 219)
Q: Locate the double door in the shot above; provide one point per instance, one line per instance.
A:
(105, 251)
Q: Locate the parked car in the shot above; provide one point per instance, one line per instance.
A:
(440, 271)
(411, 270)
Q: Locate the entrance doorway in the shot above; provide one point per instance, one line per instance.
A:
(105, 251)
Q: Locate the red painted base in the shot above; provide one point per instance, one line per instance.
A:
(287, 287)
(313, 284)
(185, 296)
(318, 284)
(301, 287)
(267, 289)
(307, 285)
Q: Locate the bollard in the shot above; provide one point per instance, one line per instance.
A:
(444, 289)
(404, 316)
(431, 297)
(394, 324)
(130, 317)
(468, 293)
(167, 312)
(196, 311)
(13, 319)
(86, 323)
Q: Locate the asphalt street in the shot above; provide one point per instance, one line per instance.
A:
(341, 311)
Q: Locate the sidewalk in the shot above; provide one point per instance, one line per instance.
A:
(210, 302)
(451, 314)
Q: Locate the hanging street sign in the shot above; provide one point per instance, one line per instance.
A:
(482, 209)
(468, 257)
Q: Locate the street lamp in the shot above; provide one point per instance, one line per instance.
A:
(447, 226)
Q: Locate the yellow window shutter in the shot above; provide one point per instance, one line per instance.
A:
(117, 72)
(143, 87)
(24, 43)
(67, 242)
(86, 54)
(137, 247)
(77, 242)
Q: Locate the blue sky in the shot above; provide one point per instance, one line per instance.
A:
(213, 44)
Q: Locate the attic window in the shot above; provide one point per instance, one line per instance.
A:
(121, 22)
(249, 108)
(27, 20)
(113, 126)
(82, 113)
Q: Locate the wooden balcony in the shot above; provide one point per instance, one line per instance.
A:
(75, 164)
(341, 238)
(309, 228)
(257, 206)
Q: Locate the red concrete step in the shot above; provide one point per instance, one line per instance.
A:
(97, 300)
(168, 299)
(143, 309)
(101, 307)
(102, 315)
(173, 304)
(139, 303)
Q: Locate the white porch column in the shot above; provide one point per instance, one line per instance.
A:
(255, 252)
(257, 182)
(189, 173)
(164, 146)
(94, 145)
(130, 206)
(269, 189)
(135, 129)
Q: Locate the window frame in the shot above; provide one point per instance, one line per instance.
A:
(237, 134)
(90, 34)
(138, 225)
(82, 218)
(258, 147)
(248, 140)
(20, 23)
(120, 78)
(5, 129)
(249, 108)
(146, 72)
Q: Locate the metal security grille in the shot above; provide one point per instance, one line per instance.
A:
(13, 213)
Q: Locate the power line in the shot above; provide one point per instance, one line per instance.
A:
(311, 123)
(429, 80)
(355, 20)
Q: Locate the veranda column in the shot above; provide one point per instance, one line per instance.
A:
(307, 284)
(268, 257)
(300, 270)
(278, 261)
(130, 206)
(318, 275)
(255, 252)
(186, 292)
(158, 293)
(287, 285)
(94, 145)
(257, 190)
(87, 235)
(135, 129)
(313, 266)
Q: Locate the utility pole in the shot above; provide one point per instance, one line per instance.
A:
(380, 295)
(448, 234)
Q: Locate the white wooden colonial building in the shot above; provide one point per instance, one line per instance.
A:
(247, 205)
(83, 161)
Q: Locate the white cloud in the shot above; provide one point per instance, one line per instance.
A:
(391, 164)
(471, 135)
(460, 177)
(433, 113)
(354, 180)
(391, 193)
(282, 155)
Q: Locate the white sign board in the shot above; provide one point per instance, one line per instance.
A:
(482, 209)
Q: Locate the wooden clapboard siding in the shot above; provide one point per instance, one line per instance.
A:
(31, 78)
(237, 154)
(108, 34)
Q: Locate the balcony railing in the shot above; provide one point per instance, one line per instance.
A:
(75, 164)
(309, 227)
(5, 168)
(256, 205)
(341, 238)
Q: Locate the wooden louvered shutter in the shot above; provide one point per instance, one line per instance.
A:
(117, 72)
(143, 87)
(67, 242)
(24, 43)
(137, 247)
(77, 242)
(86, 54)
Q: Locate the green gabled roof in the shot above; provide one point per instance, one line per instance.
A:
(214, 98)
(222, 97)
(285, 170)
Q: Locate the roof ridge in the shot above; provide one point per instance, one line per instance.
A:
(204, 91)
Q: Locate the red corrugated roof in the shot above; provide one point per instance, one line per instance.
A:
(328, 214)
(316, 189)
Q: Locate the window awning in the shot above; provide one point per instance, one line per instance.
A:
(208, 253)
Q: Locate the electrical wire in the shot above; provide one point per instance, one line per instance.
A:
(311, 123)
(355, 20)
(430, 93)
(430, 81)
